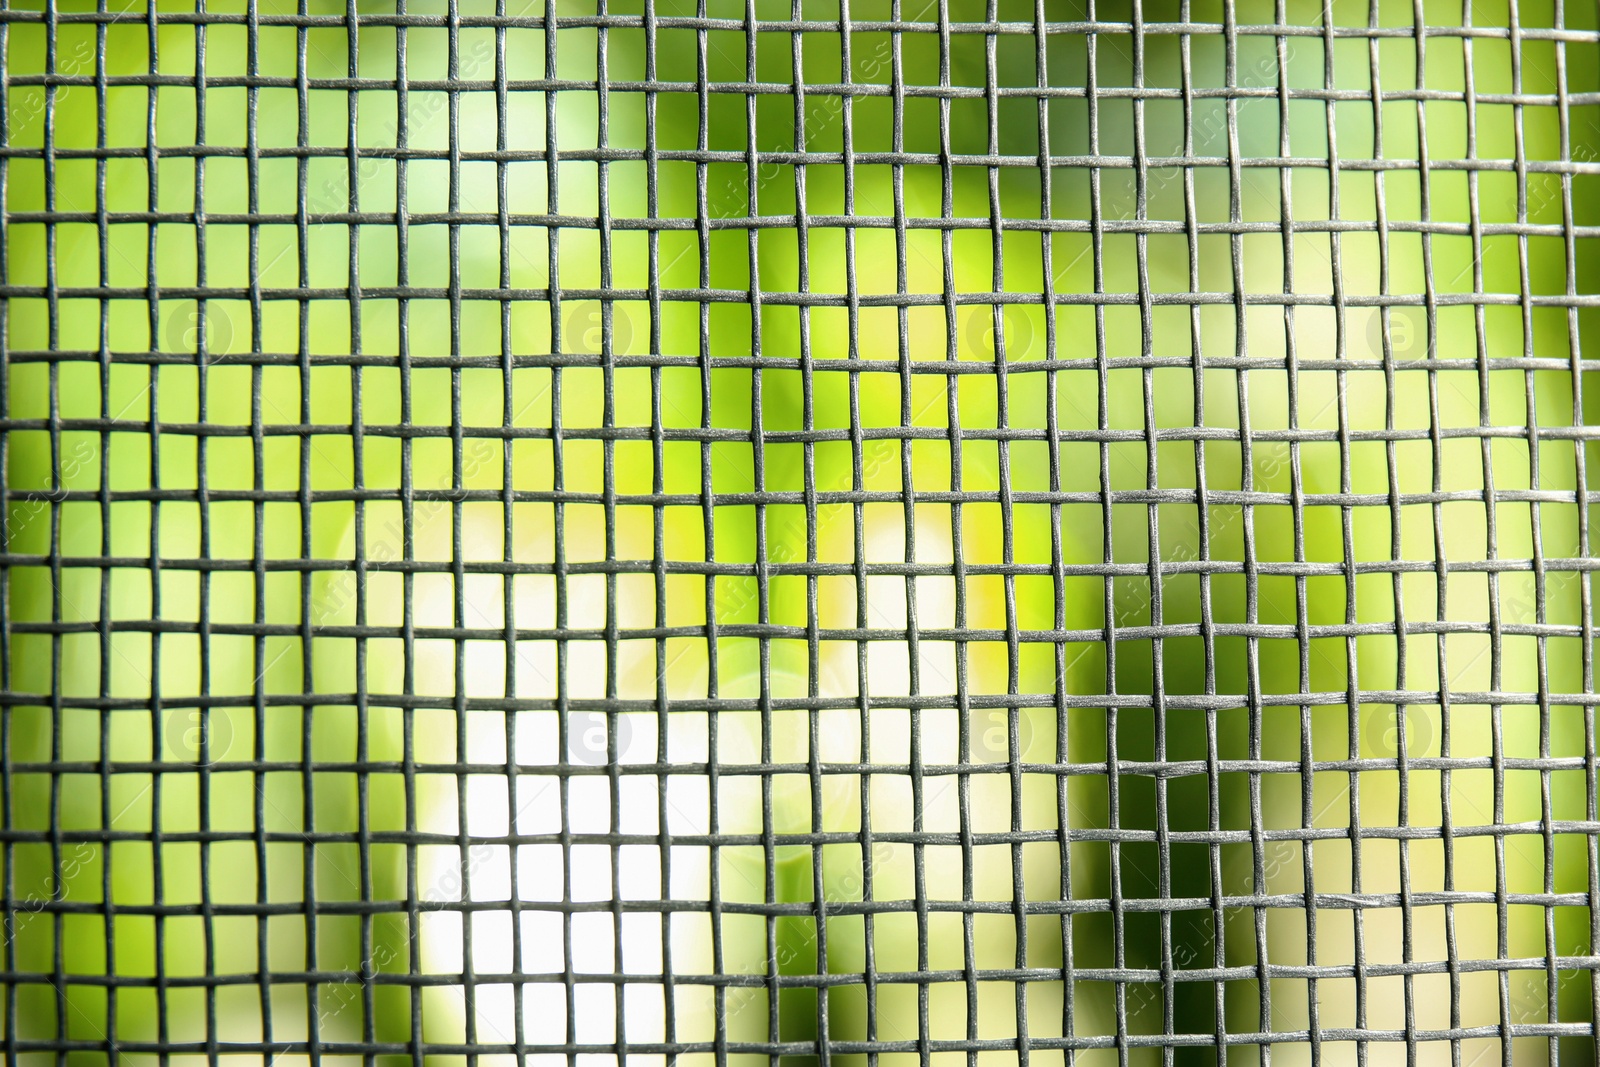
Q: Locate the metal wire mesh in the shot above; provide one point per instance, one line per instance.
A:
(887, 533)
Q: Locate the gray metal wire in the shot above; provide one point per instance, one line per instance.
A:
(1155, 1010)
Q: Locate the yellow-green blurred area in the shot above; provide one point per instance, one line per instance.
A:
(1013, 532)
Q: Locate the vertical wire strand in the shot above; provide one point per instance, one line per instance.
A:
(108, 813)
(1581, 484)
(1481, 335)
(1440, 560)
(8, 854)
(1308, 808)
(510, 414)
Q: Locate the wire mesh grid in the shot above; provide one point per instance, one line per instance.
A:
(884, 532)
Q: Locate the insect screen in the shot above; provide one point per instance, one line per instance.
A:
(871, 532)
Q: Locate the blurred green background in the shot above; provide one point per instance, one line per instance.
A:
(284, 410)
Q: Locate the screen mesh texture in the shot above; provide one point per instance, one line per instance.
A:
(883, 533)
